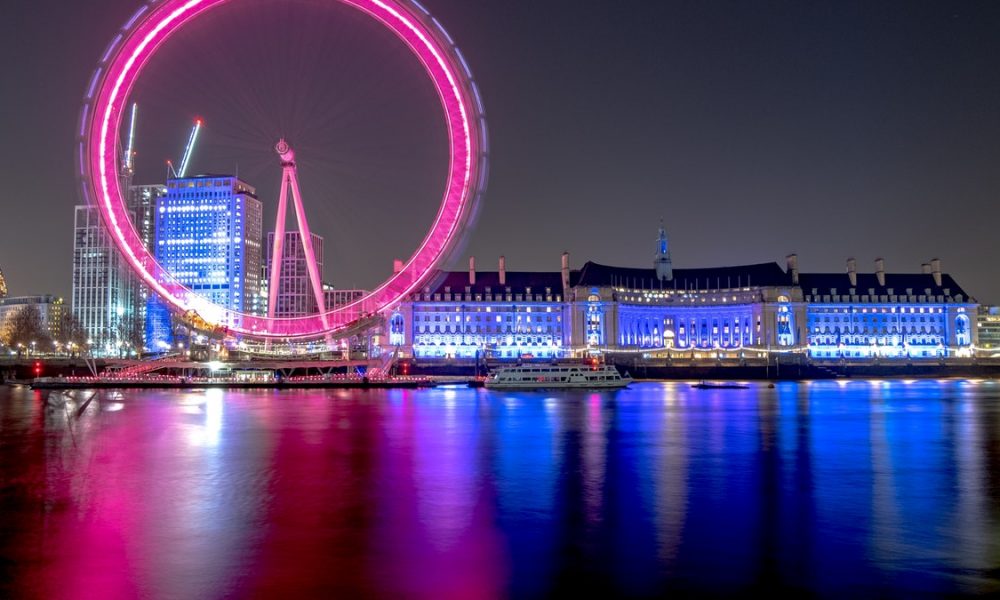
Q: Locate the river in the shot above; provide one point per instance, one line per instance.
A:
(887, 488)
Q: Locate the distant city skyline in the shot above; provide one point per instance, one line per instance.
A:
(755, 131)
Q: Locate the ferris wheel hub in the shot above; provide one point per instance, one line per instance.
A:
(284, 151)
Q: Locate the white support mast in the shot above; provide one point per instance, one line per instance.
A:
(290, 181)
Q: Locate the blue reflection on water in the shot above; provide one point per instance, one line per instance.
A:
(829, 488)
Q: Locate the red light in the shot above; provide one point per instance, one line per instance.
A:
(197, 122)
(38, 368)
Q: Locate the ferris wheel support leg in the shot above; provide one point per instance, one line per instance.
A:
(276, 251)
(307, 247)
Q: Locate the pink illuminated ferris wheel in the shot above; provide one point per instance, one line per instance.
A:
(104, 109)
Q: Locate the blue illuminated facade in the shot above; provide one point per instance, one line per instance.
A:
(886, 315)
(739, 313)
(517, 315)
(208, 236)
(728, 308)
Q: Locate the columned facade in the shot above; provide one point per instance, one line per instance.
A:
(738, 312)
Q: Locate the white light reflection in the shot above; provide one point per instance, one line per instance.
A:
(213, 415)
(450, 396)
(211, 405)
(669, 396)
(972, 511)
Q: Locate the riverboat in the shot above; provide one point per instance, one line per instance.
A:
(533, 377)
(705, 385)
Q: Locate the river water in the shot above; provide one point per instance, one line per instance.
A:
(825, 488)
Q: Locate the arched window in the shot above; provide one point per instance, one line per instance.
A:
(963, 334)
(397, 335)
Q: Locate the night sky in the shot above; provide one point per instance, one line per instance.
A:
(754, 129)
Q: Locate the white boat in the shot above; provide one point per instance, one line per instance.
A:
(534, 377)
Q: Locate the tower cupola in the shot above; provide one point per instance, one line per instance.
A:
(662, 263)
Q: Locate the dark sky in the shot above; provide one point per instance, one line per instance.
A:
(755, 129)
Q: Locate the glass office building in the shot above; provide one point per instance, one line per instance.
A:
(207, 235)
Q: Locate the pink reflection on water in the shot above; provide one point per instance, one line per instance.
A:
(436, 535)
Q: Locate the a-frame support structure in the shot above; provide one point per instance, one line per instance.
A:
(290, 181)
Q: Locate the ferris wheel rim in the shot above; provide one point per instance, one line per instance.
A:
(104, 106)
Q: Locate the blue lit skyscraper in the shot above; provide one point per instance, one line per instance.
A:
(208, 236)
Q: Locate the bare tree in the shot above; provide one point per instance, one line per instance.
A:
(72, 334)
(130, 331)
(25, 330)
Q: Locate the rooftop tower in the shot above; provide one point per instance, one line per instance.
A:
(662, 263)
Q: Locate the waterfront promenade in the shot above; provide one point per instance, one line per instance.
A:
(181, 373)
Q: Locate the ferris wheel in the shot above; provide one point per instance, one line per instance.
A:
(99, 158)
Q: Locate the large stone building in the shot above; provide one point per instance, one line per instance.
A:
(496, 314)
(50, 310)
(738, 312)
(888, 315)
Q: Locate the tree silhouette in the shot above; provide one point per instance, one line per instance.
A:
(130, 331)
(24, 327)
(72, 334)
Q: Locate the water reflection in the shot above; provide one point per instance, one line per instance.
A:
(873, 487)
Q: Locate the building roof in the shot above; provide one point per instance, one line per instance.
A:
(23, 300)
(205, 176)
(758, 275)
(517, 281)
(823, 283)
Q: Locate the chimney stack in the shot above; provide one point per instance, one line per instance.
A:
(565, 271)
(880, 271)
(936, 271)
(503, 271)
(852, 271)
(925, 268)
(793, 267)
(472, 270)
(397, 266)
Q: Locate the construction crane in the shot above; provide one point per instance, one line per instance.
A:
(128, 164)
(186, 159)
